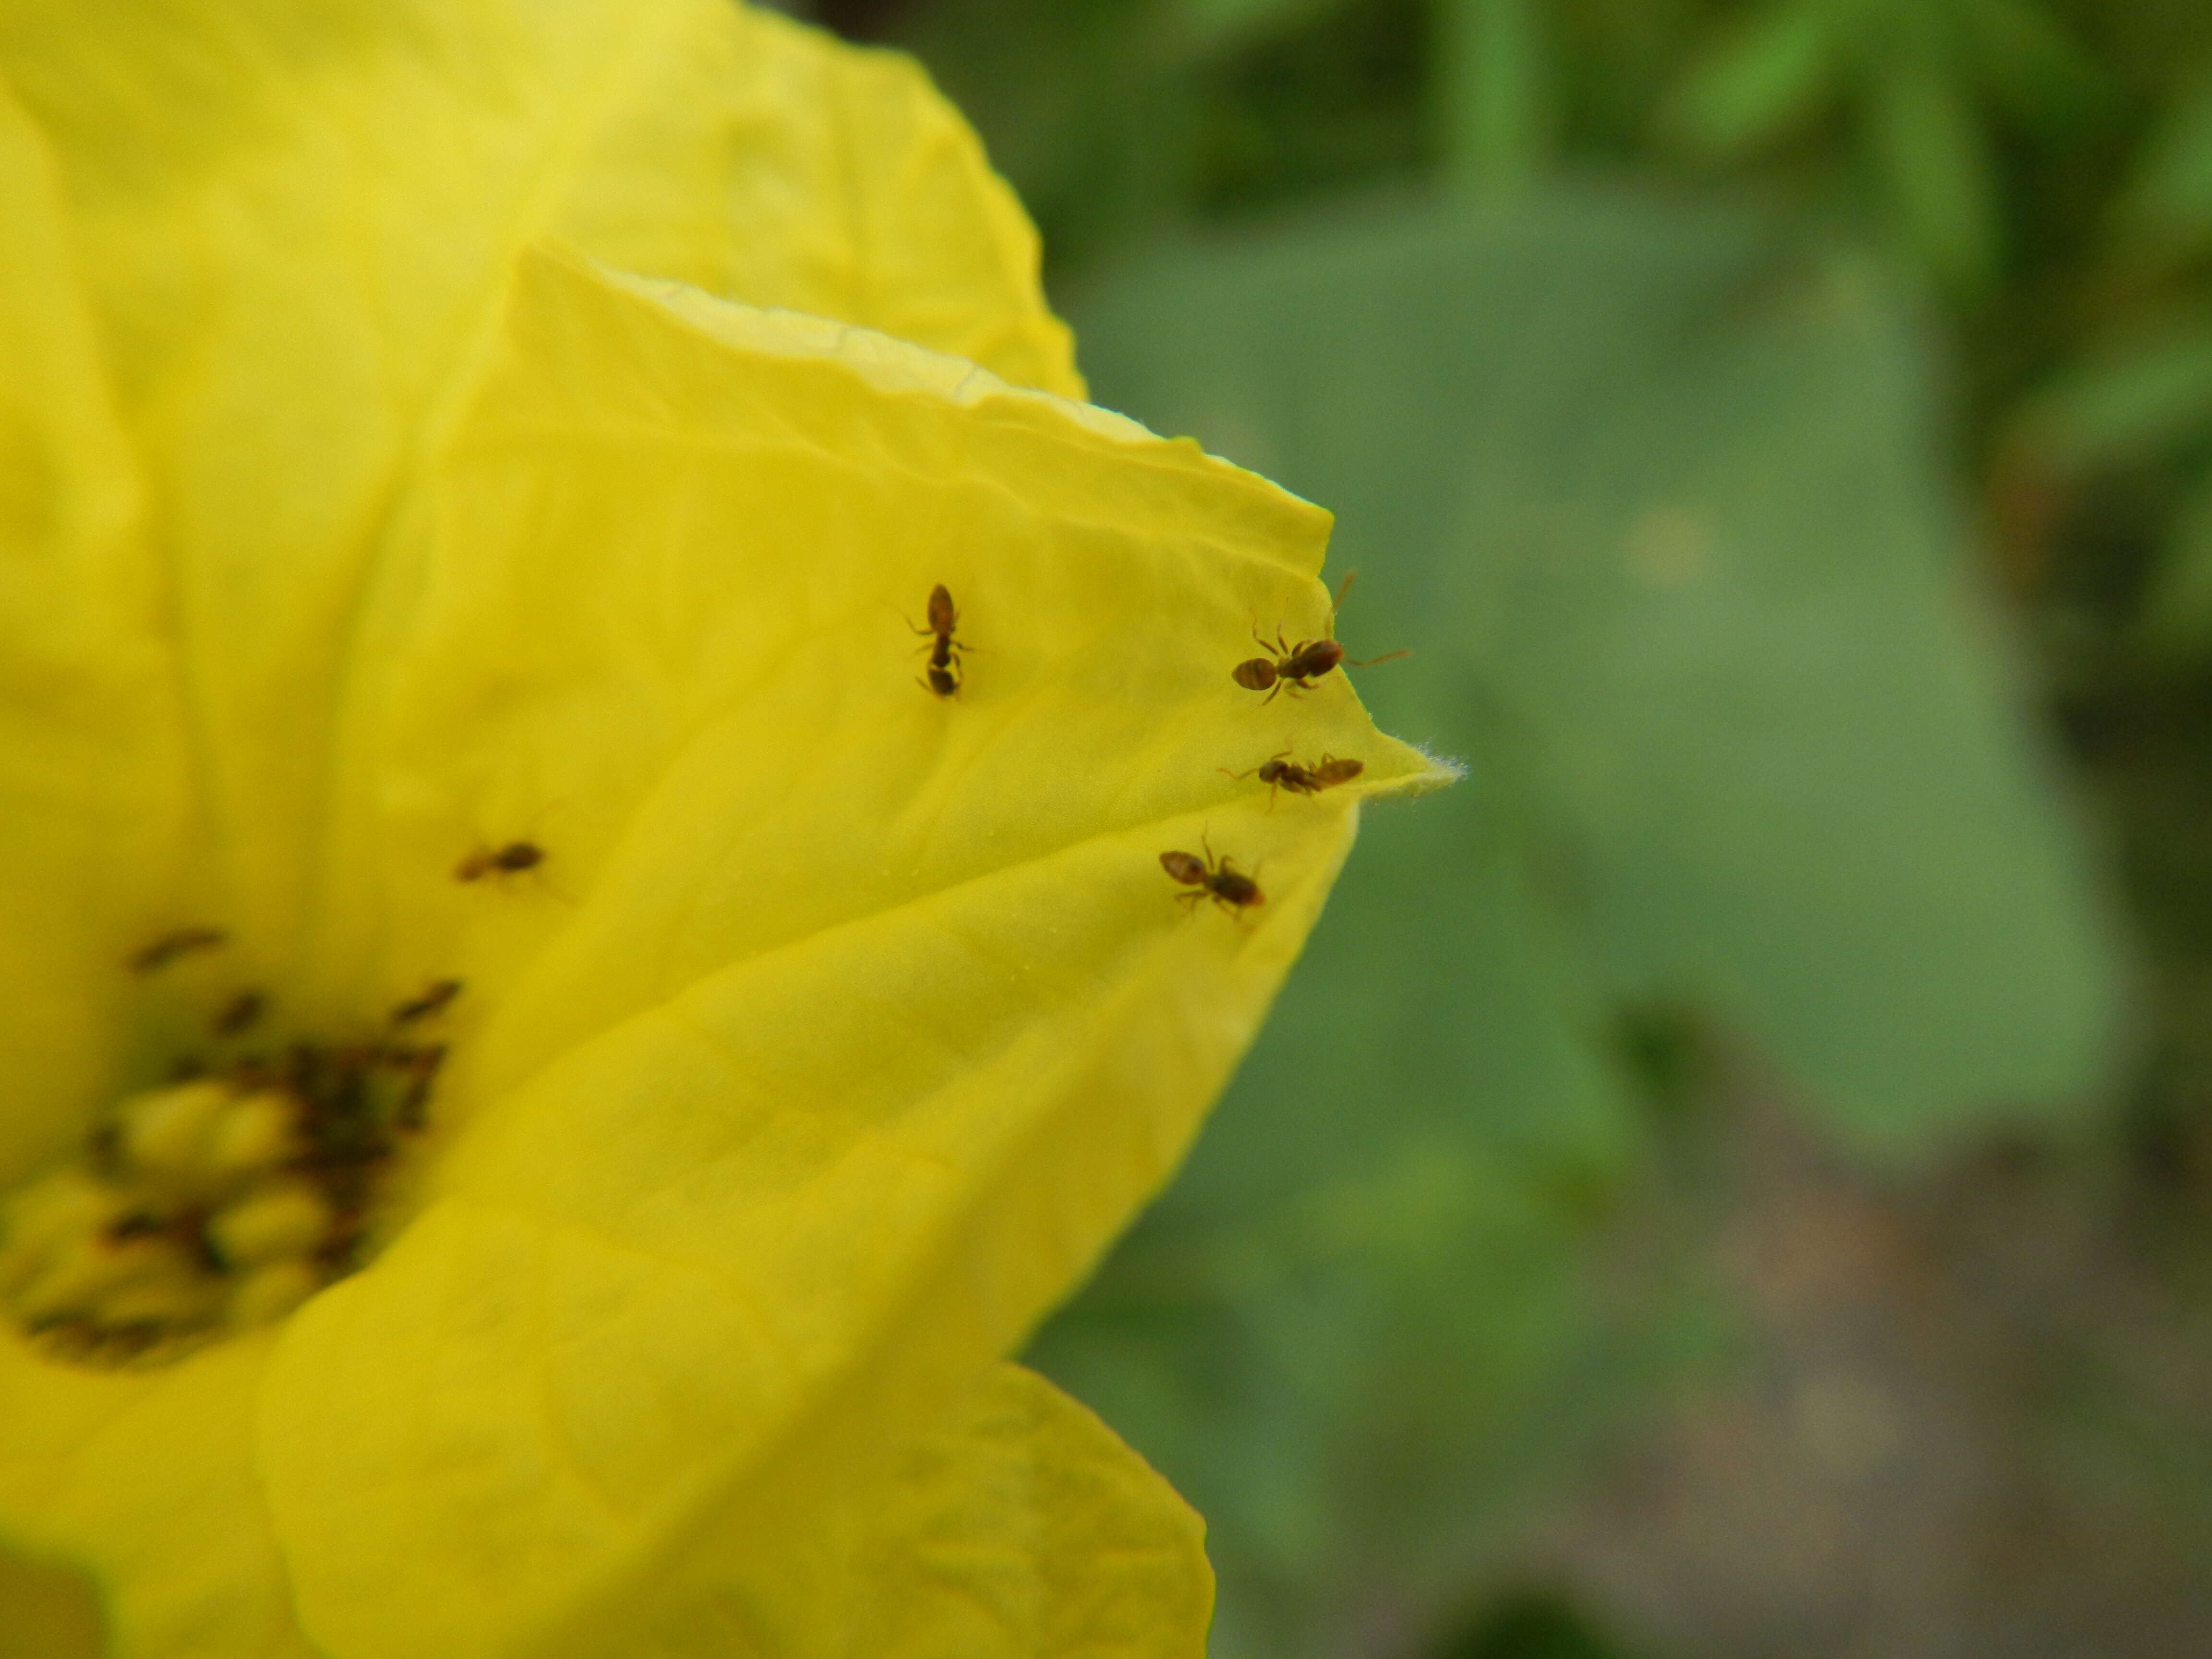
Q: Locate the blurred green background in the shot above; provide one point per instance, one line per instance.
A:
(1735, 1176)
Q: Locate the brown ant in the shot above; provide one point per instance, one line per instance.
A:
(420, 1068)
(434, 998)
(511, 860)
(1221, 882)
(418, 1065)
(1279, 774)
(240, 1014)
(1296, 667)
(181, 942)
(944, 673)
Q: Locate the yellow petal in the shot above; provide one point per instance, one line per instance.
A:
(148, 1482)
(295, 228)
(90, 789)
(253, 247)
(89, 800)
(48, 1612)
(847, 1023)
(1029, 1529)
(296, 223)
(1018, 1528)
(763, 161)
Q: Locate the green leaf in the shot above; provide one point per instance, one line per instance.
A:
(1092, 112)
(2033, 66)
(1531, 1623)
(1211, 25)
(1932, 167)
(2177, 609)
(1655, 497)
(1651, 494)
(1769, 76)
(2167, 205)
(2138, 398)
(1496, 77)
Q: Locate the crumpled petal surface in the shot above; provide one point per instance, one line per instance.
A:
(1026, 1527)
(1017, 1527)
(294, 224)
(850, 1023)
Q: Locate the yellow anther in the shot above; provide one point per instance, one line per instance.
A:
(163, 1134)
(253, 1133)
(287, 1218)
(57, 1214)
(208, 1206)
(85, 1277)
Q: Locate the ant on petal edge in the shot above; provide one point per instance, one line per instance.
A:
(1296, 667)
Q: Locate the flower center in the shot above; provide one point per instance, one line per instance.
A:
(220, 1202)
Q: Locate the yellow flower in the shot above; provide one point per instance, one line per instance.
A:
(545, 1063)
